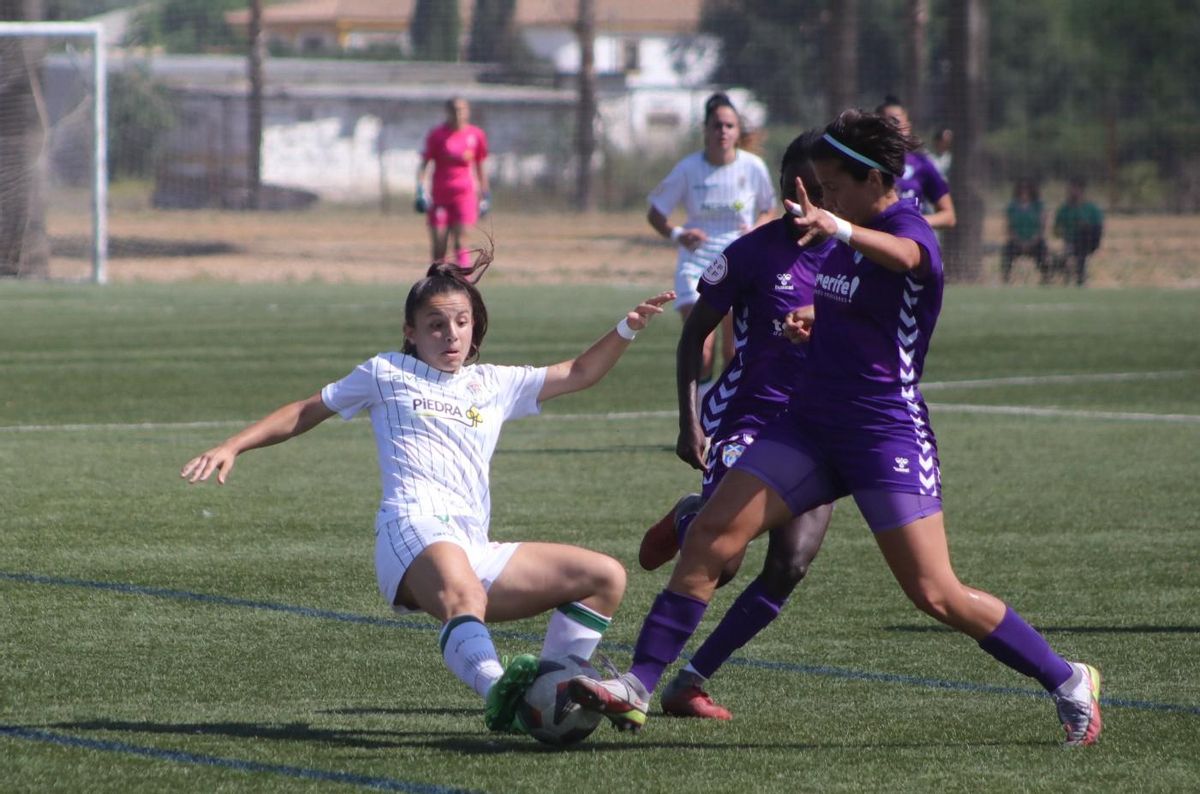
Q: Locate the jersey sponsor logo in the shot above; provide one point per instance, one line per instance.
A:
(717, 270)
(838, 287)
(785, 282)
(471, 416)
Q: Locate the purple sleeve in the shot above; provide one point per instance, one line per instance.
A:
(933, 184)
(914, 227)
(722, 280)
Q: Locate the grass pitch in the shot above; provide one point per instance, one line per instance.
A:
(160, 637)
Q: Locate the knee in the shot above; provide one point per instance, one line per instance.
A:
(465, 599)
(781, 575)
(938, 601)
(609, 579)
(730, 569)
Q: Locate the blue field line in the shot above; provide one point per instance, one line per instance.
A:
(179, 757)
(741, 661)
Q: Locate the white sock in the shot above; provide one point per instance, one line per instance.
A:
(469, 653)
(574, 629)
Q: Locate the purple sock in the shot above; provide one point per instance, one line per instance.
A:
(666, 630)
(753, 610)
(1018, 645)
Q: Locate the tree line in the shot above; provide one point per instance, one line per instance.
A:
(1102, 88)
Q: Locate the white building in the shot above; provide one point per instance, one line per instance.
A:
(353, 130)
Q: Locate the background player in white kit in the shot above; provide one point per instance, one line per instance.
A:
(725, 192)
(437, 419)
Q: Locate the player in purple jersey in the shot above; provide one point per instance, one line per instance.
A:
(921, 181)
(857, 425)
(759, 279)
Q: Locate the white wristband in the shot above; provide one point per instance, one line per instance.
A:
(843, 228)
(624, 331)
(676, 233)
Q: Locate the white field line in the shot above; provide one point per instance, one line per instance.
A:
(1039, 380)
(1063, 413)
(77, 428)
(1003, 410)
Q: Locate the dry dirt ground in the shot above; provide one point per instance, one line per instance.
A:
(338, 245)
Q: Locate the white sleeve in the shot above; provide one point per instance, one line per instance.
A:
(671, 191)
(765, 198)
(353, 393)
(519, 390)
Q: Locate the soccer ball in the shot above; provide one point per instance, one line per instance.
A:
(546, 711)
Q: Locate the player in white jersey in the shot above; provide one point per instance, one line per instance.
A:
(437, 417)
(725, 192)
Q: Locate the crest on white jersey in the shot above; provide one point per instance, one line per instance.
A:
(716, 271)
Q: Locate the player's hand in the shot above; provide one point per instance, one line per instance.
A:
(421, 205)
(485, 204)
(219, 459)
(692, 447)
(639, 318)
(691, 239)
(798, 324)
(811, 220)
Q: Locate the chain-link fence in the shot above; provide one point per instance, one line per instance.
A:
(1015, 103)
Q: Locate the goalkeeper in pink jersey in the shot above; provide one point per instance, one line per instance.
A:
(460, 192)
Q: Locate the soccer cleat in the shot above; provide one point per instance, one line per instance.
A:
(1079, 707)
(660, 544)
(685, 697)
(622, 699)
(500, 707)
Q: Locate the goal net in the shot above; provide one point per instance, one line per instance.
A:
(53, 155)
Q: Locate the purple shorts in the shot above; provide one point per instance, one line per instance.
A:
(891, 468)
(723, 453)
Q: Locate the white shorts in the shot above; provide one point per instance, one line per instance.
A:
(687, 281)
(690, 266)
(399, 541)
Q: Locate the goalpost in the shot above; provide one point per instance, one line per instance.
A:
(98, 177)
